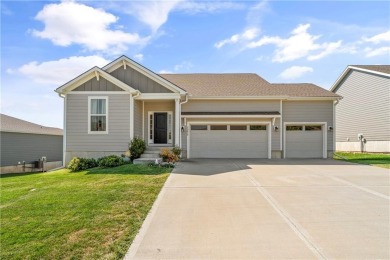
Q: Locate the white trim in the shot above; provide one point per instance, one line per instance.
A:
(131, 117)
(334, 125)
(177, 122)
(280, 126)
(349, 68)
(261, 98)
(98, 93)
(208, 123)
(76, 82)
(143, 120)
(169, 127)
(230, 116)
(158, 96)
(146, 72)
(89, 115)
(64, 134)
(324, 135)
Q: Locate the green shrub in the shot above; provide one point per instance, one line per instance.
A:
(176, 151)
(110, 161)
(136, 147)
(79, 164)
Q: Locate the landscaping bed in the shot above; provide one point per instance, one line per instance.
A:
(92, 214)
(375, 159)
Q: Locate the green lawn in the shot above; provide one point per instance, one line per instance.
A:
(92, 214)
(376, 159)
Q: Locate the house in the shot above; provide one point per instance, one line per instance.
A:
(237, 115)
(24, 143)
(363, 116)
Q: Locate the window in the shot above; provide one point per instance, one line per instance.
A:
(313, 128)
(198, 127)
(218, 127)
(238, 127)
(98, 114)
(169, 127)
(151, 126)
(294, 128)
(258, 127)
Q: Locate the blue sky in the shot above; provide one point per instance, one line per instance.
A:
(44, 44)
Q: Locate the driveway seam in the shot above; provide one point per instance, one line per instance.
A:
(293, 224)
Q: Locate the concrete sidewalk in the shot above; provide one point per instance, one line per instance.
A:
(240, 209)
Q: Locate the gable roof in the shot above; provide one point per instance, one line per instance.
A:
(242, 85)
(12, 124)
(124, 60)
(94, 72)
(381, 70)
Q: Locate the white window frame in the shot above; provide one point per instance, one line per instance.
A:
(169, 126)
(89, 115)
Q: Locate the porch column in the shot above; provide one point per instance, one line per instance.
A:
(177, 122)
(131, 117)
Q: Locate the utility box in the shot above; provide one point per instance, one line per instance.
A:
(38, 164)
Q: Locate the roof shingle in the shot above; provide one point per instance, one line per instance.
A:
(243, 85)
(377, 68)
(12, 124)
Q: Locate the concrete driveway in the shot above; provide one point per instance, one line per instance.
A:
(263, 209)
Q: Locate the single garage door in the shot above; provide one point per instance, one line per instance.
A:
(228, 141)
(304, 141)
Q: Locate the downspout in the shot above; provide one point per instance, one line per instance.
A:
(334, 125)
(181, 103)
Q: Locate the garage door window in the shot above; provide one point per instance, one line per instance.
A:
(258, 127)
(199, 127)
(238, 127)
(218, 127)
(313, 128)
(294, 128)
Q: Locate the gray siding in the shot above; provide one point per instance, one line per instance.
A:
(138, 81)
(310, 111)
(230, 106)
(138, 118)
(365, 107)
(118, 136)
(18, 147)
(98, 85)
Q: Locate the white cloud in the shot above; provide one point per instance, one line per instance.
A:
(69, 23)
(165, 72)
(370, 52)
(382, 37)
(139, 56)
(152, 13)
(194, 7)
(295, 72)
(257, 12)
(58, 72)
(247, 35)
(300, 44)
(183, 66)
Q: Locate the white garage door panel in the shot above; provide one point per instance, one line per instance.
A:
(228, 144)
(304, 144)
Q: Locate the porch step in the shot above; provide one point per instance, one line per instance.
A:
(151, 155)
(150, 149)
(147, 160)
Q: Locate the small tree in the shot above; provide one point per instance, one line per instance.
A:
(136, 147)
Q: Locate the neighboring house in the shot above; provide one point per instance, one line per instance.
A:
(363, 116)
(23, 143)
(207, 115)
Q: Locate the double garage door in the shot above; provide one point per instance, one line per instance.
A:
(228, 141)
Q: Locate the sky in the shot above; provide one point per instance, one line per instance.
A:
(44, 44)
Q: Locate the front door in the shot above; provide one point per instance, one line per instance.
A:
(160, 128)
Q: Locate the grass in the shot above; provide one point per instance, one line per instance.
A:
(375, 159)
(92, 214)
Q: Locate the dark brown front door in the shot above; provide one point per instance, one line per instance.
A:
(160, 128)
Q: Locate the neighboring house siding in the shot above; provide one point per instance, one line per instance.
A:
(310, 111)
(98, 85)
(19, 147)
(365, 108)
(138, 81)
(138, 118)
(157, 106)
(78, 139)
